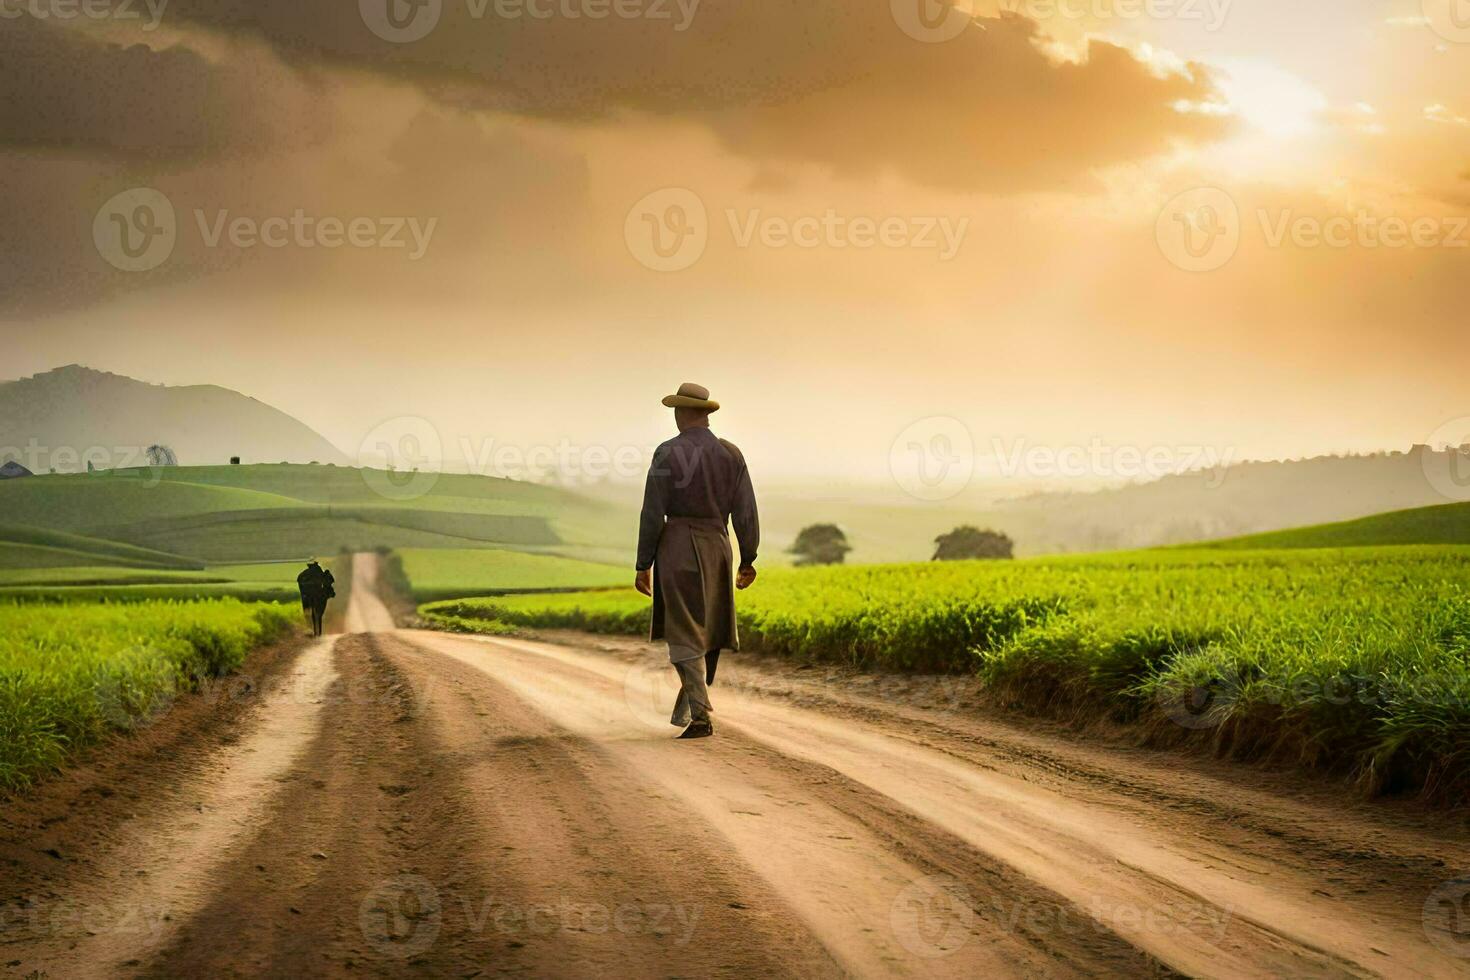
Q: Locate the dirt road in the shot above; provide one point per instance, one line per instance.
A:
(406, 803)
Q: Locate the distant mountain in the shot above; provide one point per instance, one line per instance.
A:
(884, 524)
(66, 418)
(1247, 498)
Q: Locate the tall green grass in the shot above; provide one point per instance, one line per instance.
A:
(72, 674)
(1354, 659)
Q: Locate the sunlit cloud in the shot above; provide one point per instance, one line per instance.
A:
(1439, 113)
(1270, 99)
(1058, 141)
(1360, 117)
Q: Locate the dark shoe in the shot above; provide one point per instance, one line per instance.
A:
(711, 661)
(699, 729)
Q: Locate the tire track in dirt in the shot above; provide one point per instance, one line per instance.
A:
(333, 881)
(597, 873)
(160, 865)
(885, 892)
(1202, 916)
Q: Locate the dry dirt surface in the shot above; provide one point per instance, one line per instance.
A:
(406, 803)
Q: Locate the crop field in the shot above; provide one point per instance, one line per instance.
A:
(190, 516)
(435, 574)
(1445, 524)
(258, 582)
(1349, 659)
(73, 674)
(31, 547)
(245, 536)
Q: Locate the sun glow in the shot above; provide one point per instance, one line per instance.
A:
(1271, 100)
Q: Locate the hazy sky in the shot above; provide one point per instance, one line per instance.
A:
(1154, 223)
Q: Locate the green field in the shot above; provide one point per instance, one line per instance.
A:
(71, 675)
(182, 532)
(259, 582)
(1446, 524)
(1352, 659)
(119, 589)
(33, 547)
(1344, 646)
(190, 516)
(435, 573)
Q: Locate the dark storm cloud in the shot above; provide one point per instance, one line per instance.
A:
(83, 117)
(994, 114)
(65, 88)
(508, 209)
(266, 106)
(833, 82)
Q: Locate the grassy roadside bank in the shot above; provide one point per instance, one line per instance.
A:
(1350, 660)
(74, 674)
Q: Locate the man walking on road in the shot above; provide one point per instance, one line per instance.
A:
(697, 485)
(317, 586)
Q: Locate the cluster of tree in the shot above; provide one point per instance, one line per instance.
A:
(820, 544)
(826, 544)
(969, 542)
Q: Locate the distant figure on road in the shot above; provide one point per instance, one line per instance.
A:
(696, 485)
(317, 586)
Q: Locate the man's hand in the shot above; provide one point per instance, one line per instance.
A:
(745, 577)
(644, 582)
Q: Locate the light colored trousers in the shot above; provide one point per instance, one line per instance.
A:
(692, 704)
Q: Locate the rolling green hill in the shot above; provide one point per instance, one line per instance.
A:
(75, 502)
(293, 532)
(34, 547)
(1445, 524)
(266, 512)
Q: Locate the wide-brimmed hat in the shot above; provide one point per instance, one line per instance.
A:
(691, 395)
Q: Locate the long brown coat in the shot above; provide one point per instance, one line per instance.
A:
(694, 586)
(697, 484)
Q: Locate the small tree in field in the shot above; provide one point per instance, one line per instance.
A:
(159, 455)
(820, 544)
(971, 542)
